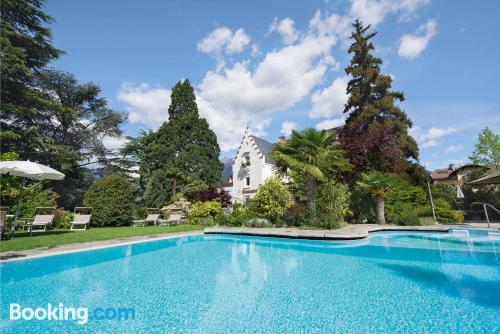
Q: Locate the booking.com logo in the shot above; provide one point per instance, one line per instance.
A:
(81, 315)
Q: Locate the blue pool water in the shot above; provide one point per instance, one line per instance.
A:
(391, 282)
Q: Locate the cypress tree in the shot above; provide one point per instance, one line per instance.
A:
(376, 132)
(182, 151)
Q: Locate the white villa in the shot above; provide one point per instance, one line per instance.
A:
(252, 165)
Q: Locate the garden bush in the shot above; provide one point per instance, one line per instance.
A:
(446, 192)
(258, 222)
(296, 215)
(445, 213)
(331, 205)
(215, 194)
(206, 213)
(272, 200)
(62, 219)
(238, 216)
(402, 214)
(112, 202)
(362, 205)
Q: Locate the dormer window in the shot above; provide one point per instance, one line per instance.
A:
(245, 159)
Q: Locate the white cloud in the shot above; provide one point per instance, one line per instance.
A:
(454, 148)
(286, 28)
(430, 137)
(224, 40)
(239, 94)
(114, 143)
(330, 101)
(287, 127)
(412, 45)
(330, 123)
(371, 12)
(374, 11)
(145, 104)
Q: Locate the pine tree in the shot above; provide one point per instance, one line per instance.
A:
(26, 50)
(376, 132)
(183, 150)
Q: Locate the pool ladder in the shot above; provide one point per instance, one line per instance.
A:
(485, 207)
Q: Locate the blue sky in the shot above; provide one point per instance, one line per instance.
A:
(278, 65)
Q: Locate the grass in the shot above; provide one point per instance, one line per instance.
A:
(57, 237)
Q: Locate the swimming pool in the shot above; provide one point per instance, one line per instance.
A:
(391, 282)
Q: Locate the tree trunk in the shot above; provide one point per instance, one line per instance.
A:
(380, 210)
(174, 186)
(311, 188)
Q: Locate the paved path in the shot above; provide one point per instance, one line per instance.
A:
(77, 247)
(351, 232)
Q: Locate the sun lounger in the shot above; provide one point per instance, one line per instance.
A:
(152, 218)
(173, 219)
(81, 218)
(43, 219)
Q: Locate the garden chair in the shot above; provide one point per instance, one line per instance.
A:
(81, 218)
(44, 216)
(174, 218)
(152, 217)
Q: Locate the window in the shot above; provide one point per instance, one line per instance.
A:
(246, 198)
(247, 181)
(246, 159)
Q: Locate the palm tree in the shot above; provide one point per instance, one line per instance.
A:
(311, 153)
(378, 184)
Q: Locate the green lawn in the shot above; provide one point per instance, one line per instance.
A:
(60, 237)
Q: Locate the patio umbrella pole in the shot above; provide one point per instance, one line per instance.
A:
(13, 226)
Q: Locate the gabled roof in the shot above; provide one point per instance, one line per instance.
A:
(265, 148)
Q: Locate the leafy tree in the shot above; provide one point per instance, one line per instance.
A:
(46, 115)
(376, 131)
(272, 200)
(215, 194)
(313, 156)
(184, 149)
(26, 45)
(331, 204)
(112, 201)
(378, 184)
(75, 123)
(487, 150)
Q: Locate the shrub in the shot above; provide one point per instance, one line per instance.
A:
(112, 201)
(272, 200)
(445, 214)
(331, 205)
(446, 192)
(63, 219)
(362, 206)
(206, 213)
(402, 214)
(193, 189)
(296, 215)
(258, 222)
(238, 216)
(215, 194)
(33, 197)
(426, 220)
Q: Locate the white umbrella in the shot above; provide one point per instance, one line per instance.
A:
(460, 194)
(31, 170)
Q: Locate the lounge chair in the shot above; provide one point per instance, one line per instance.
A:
(43, 219)
(173, 219)
(81, 218)
(152, 217)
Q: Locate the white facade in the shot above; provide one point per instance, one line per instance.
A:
(250, 168)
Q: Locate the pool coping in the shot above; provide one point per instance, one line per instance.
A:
(351, 232)
(34, 253)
